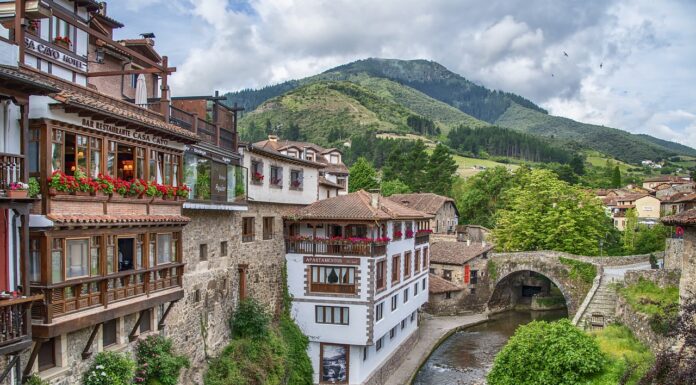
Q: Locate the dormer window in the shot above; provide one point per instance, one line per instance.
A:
(334, 159)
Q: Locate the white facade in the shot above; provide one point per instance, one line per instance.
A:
(283, 192)
(363, 332)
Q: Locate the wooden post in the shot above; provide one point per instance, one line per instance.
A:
(24, 138)
(32, 357)
(87, 351)
(19, 22)
(132, 337)
(314, 239)
(242, 268)
(164, 98)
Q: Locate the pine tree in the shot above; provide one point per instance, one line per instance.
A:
(362, 176)
(395, 186)
(441, 171)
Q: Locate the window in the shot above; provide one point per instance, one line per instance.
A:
(34, 260)
(405, 295)
(396, 268)
(392, 333)
(394, 301)
(336, 315)
(256, 172)
(77, 258)
(380, 343)
(448, 295)
(341, 181)
(203, 251)
(423, 284)
(268, 227)
(379, 311)
(247, 229)
(276, 176)
(164, 248)
(418, 258)
(126, 253)
(381, 284)
(223, 248)
(415, 289)
(334, 159)
(34, 151)
(447, 274)
(473, 290)
(333, 279)
(407, 264)
(432, 271)
(296, 179)
(47, 354)
(109, 332)
(474, 277)
(403, 324)
(425, 258)
(146, 323)
(409, 229)
(397, 234)
(134, 80)
(413, 316)
(365, 350)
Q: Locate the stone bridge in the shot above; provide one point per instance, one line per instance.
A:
(575, 276)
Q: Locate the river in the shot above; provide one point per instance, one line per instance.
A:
(466, 357)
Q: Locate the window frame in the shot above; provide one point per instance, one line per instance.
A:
(268, 223)
(379, 311)
(380, 275)
(396, 269)
(344, 315)
(248, 229)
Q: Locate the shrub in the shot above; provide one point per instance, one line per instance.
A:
(157, 364)
(110, 368)
(584, 271)
(250, 320)
(542, 353)
(299, 366)
(661, 304)
(34, 188)
(35, 380)
(627, 358)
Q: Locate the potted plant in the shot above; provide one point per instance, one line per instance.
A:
(139, 187)
(152, 191)
(296, 184)
(257, 177)
(85, 186)
(60, 183)
(122, 187)
(167, 192)
(63, 41)
(34, 188)
(18, 190)
(398, 234)
(182, 192)
(106, 184)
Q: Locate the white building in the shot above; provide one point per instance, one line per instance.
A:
(358, 273)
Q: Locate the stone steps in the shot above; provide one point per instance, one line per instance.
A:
(603, 302)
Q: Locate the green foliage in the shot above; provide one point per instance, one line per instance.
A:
(627, 358)
(499, 141)
(544, 213)
(396, 186)
(157, 363)
(34, 188)
(441, 171)
(409, 166)
(362, 176)
(542, 353)
(250, 320)
(110, 368)
(642, 239)
(616, 177)
(35, 380)
(492, 269)
(550, 301)
(584, 271)
(660, 303)
(299, 365)
(479, 197)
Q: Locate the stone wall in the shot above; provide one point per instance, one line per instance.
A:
(439, 304)
(687, 285)
(381, 375)
(661, 277)
(674, 250)
(640, 326)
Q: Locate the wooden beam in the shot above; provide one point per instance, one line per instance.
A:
(132, 337)
(87, 351)
(169, 71)
(160, 325)
(32, 357)
(9, 368)
(19, 22)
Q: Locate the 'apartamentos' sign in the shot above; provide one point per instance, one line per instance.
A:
(55, 54)
(332, 260)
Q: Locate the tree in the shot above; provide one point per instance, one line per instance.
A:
(392, 187)
(616, 177)
(543, 353)
(253, 133)
(577, 163)
(478, 198)
(362, 176)
(441, 171)
(542, 212)
(293, 132)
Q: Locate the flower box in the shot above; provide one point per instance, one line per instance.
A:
(17, 193)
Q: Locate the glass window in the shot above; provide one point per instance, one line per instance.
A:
(35, 260)
(95, 157)
(139, 251)
(247, 229)
(94, 255)
(379, 311)
(57, 151)
(57, 260)
(140, 163)
(77, 258)
(110, 253)
(33, 150)
(164, 248)
(109, 332)
(381, 266)
(296, 179)
(268, 227)
(276, 176)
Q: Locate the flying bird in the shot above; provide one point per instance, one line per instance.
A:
(600, 65)
(564, 52)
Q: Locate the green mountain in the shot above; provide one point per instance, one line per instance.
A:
(420, 96)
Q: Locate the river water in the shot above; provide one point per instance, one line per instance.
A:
(466, 357)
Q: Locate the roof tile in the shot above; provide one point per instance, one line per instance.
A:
(456, 253)
(439, 285)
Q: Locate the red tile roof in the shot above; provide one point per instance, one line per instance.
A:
(356, 206)
(427, 202)
(687, 218)
(439, 285)
(63, 219)
(456, 253)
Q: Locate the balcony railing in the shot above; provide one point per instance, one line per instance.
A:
(422, 237)
(10, 169)
(223, 137)
(13, 320)
(80, 294)
(335, 247)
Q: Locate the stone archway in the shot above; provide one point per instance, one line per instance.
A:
(508, 289)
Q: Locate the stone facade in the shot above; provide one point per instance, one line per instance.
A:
(640, 326)
(673, 253)
(446, 219)
(662, 277)
(474, 295)
(687, 286)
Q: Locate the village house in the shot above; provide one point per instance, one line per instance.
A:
(464, 266)
(334, 175)
(16, 298)
(679, 202)
(652, 183)
(358, 273)
(443, 209)
(647, 209)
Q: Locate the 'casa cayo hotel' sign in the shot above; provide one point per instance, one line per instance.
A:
(55, 54)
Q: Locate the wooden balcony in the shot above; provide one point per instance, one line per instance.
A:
(335, 247)
(11, 166)
(81, 294)
(422, 237)
(333, 288)
(211, 133)
(15, 323)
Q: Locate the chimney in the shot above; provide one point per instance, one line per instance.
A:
(102, 8)
(273, 138)
(374, 198)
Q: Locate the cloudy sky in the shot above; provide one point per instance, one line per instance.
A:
(630, 64)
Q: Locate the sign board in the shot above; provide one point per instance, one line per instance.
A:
(129, 133)
(218, 180)
(55, 54)
(332, 260)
